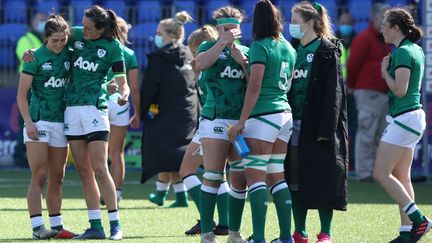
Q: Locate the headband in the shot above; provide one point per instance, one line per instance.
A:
(317, 6)
(227, 21)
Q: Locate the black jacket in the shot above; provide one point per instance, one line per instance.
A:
(323, 165)
(169, 83)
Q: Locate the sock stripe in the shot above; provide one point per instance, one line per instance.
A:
(275, 185)
(209, 189)
(193, 174)
(406, 209)
(35, 215)
(261, 187)
(54, 215)
(112, 211)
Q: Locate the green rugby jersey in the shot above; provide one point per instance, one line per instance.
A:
(131, 62)
(300, 82)
(91, 62)
(408, 55)
(202, 89)
(50, 73)
(226, 85)
(279, 58)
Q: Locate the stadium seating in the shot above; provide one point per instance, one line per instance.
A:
(149, 11)
(141, 36)
(213, 5)
(360, 10)
(189, 28)
(78, 7)
(14, 32)
(360, 26)
(188, 6)
(14, 11)
(246, 32)
(8, 43)
(118, 6)
(48, 6)
(285, 7)
(396, 2)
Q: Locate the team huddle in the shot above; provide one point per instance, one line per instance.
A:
(286, 99)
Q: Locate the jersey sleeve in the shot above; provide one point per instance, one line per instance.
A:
(257, 54)
(402, 58)
(30, 68)
(117, 59)
(205, 46)
(131, 61)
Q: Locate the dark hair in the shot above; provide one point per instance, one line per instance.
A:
(267, 21)
(56, 23)
(403, 19)
(318, 13)
(106, 20)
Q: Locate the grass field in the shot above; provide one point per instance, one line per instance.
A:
(371, 215)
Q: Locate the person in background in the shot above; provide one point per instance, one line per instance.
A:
(169, 83)
(370, 91)
(43, 133)
(317, 163)
(403, 72)
(33, 39)
(346, 34)
(119, 116)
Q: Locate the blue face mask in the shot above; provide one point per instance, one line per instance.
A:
(345, 30)
(295, 32)
(41, 26)
(158, 41)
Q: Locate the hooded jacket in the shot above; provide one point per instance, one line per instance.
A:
(323, 165)
(168, 82)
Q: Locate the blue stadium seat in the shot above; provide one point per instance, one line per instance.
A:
(118, 6)
(248, 7)
(14, 11)
(141, 36)
(14, 32)
(149, 11)
(78, 8)
(47, 6)
(189, 28)
(360, 26)
(188, 6)
(285, 7)
(8, 59)
(213, 5)
(331, 7)
(360, 9)
(246, 32)
(395, 3)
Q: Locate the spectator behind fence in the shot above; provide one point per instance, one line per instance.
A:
(169, 83)
(33, 39)
(346, 33)
(370, 91)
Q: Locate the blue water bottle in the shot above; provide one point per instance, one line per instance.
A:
(241, 146)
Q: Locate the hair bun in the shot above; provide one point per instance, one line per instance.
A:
(182, 18)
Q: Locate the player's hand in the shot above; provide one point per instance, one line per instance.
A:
(228, 36)
(112, 87)
(135, 120)
(32, 131)
(384, 65)
(235, 130)
(28, 56)
(238, 55)
(122, 100)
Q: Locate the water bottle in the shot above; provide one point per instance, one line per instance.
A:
(241, 146)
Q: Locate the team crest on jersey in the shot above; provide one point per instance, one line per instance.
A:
(79, 45)
(310, 57)
(67, 65)
(47, 66)
(223, 56)
(101, 53)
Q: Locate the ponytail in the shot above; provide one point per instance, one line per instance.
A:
(404, 20)
(114, 30)
(106, 20)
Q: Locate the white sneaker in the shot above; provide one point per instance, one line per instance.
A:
(209, 237)
(44, 233)
(234, 237)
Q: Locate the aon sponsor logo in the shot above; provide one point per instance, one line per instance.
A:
(86, 65)
(300, 73)
(55, 83)
(232, 73)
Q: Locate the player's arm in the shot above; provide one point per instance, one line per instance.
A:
(24, 86)
(136, 96)
(119, 71)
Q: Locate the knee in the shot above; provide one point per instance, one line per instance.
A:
(378, 176)
(100, 172)
(115, 153)
(57, 178)
(39, 178)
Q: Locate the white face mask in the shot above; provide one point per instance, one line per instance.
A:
(295, 32)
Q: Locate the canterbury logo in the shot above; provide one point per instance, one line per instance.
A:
(218, 130)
